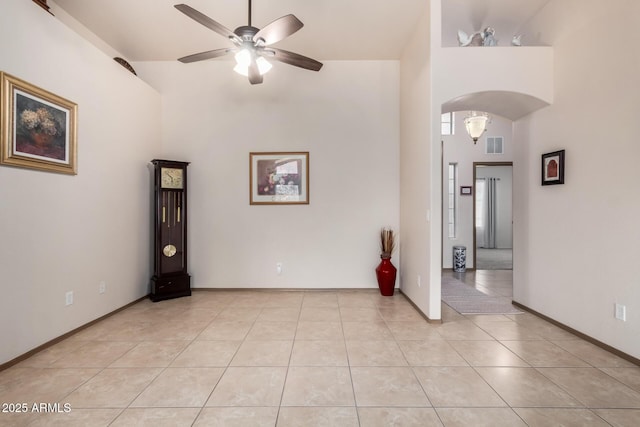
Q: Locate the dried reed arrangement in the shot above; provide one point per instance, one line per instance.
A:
(387, 242)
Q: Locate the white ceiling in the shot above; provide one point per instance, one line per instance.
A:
(153, 30)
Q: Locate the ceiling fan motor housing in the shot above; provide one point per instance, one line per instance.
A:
(246, 32)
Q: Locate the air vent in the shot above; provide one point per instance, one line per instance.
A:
(495, 145)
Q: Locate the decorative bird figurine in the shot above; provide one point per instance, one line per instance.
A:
(465, 39)
(516, 40)
(486, 37)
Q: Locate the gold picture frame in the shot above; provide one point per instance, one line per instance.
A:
(279, 178)
(38, 128)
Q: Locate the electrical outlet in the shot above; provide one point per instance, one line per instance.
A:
(279, 268)
(621, 312)
(419, 281)
(68, 298)
(102, 287)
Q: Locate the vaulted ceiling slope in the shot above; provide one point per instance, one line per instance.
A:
(153, 30)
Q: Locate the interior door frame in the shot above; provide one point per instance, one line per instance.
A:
(475, 164)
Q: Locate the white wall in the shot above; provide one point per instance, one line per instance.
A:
(456, 72)
(346, 116)
(67, 233)
(524, 70)
(416, 176)
(573, 241)
(459, 148)
(582, 238)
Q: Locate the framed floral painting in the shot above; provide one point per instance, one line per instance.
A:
(553, 168)
(38, 128)
(279, 178)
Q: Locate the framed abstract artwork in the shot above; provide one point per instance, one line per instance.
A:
(279, 178)
(553, 168)
(38, 128)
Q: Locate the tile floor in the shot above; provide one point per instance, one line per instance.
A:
(322, 358)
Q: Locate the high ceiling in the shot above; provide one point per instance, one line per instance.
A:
(153, 30)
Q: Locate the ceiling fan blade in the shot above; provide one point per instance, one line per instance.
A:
(278, 30)
(294, 59)
(206, 21)
(210, 54)
(254, 74)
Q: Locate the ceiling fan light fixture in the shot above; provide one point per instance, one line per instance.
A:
(243, 68)
(263, 65)
(251, 44)
(243, 58)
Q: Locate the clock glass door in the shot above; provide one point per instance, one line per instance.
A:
(171, 232)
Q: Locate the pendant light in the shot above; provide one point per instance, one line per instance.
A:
(476, 124)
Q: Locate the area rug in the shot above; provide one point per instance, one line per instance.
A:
(468, 300)
(494, 259)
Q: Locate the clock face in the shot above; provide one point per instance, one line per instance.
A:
(171, 178)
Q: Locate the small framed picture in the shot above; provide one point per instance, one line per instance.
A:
(465, 191)
(279, 178)
(553, 168)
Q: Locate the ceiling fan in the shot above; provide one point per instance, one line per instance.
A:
(252, 45)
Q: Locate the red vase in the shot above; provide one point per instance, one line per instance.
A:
(386, 274)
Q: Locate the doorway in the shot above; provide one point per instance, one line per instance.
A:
(493, 215)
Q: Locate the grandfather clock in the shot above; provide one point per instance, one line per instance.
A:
(170, 278)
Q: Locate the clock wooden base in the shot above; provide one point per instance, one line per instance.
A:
(167, 287)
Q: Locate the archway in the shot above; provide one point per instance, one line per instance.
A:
(459, 153)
